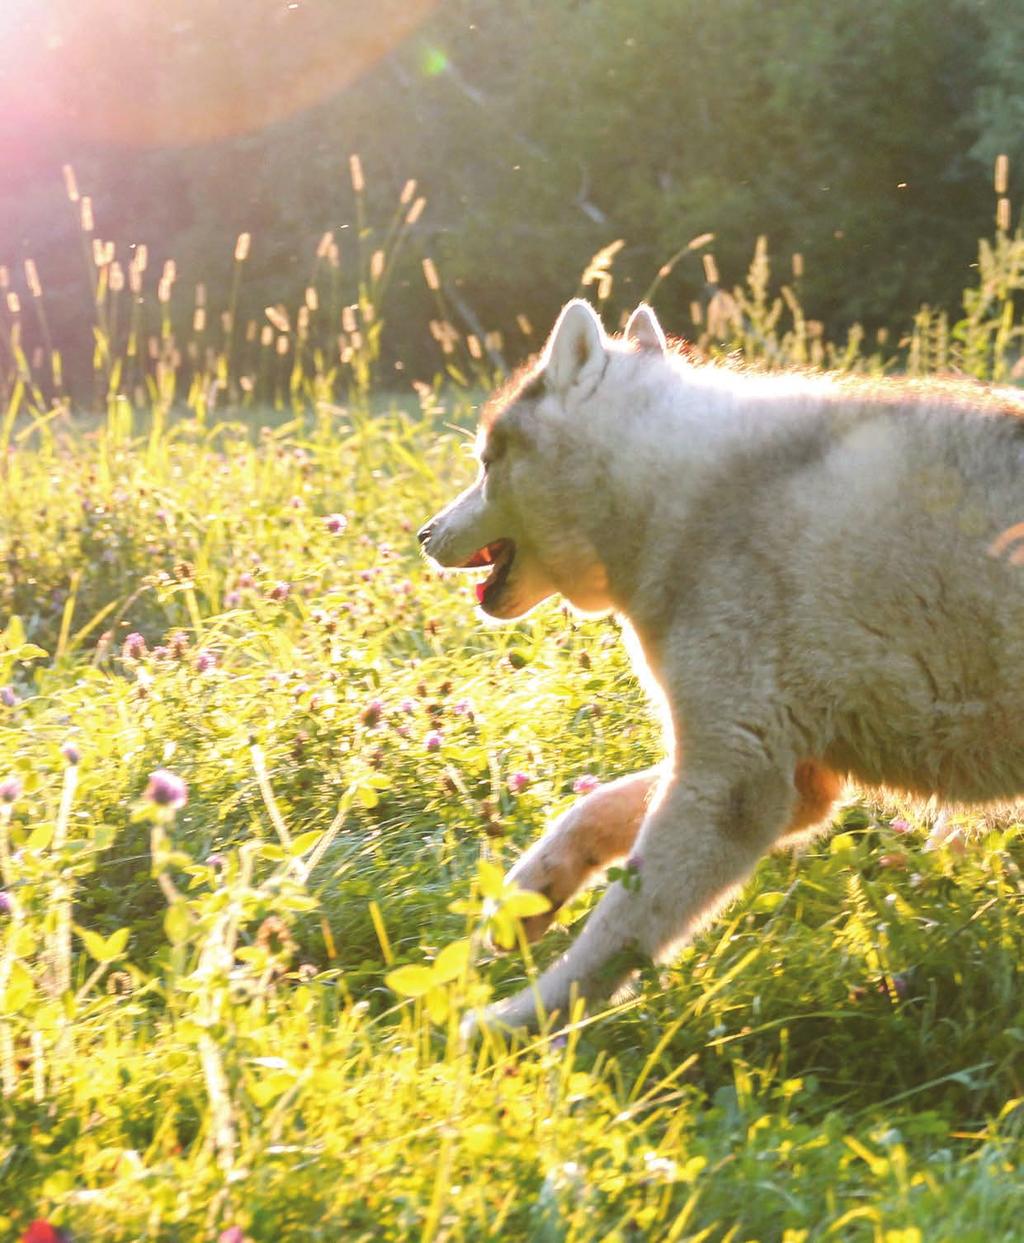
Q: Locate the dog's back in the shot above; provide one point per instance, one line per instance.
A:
(880, 538)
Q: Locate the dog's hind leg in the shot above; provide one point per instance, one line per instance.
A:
(694, 849)
(599, 830)
(817, 789)
(596, 832)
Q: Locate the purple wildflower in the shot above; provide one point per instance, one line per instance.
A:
(233, 1234)
(408, 706)
(215, 860)
(6, 905)
(371, 714)
(205, 660)
(335, 523)
(584, 783)
(899, 825)
(518, 782)
(134, 646)
(166, 789)
(246, 581)
(433, 740)
(71, 754)
(232, 599)
(280, 591)
(10, 790)
(7, 697)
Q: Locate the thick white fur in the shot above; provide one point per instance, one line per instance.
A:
(817, 579)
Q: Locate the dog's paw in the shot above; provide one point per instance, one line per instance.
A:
(502, 1020)
(475, 1023)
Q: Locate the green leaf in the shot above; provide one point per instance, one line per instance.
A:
(252, 953)
(95, 944)
(525, 902)
(411, 981)
(304, 841)
(264, 1090)
(464, 906)
(368, 796)
(14, 633)
(767, 901)
(437, 1004)
(176, 922)
(115, 945)
(29, 651)
(451, 962)
(297, 902)
(20, 987)
(503, 929)
(40, 837)
(490, 878)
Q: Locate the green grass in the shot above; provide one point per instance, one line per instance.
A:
(846, 1040)
(198, 1024)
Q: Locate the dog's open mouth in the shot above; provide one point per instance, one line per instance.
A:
(499, 556)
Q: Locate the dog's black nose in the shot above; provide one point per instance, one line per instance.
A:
(423, 534)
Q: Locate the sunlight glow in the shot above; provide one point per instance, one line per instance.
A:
(195, 71)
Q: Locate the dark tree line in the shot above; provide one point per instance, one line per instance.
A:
(857, 133)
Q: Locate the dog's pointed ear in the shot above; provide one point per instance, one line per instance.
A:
(644, 329)
(576, 347)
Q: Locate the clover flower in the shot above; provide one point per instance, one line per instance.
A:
(40, 1231)
(205, 660)
(71, 754)
(518, 782)
(10, 790)
(7, 697)
(584, 783)
(335, 523)
(166, 789)
(433, 740)
(134, 646)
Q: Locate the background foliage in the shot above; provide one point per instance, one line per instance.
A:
(857, 133)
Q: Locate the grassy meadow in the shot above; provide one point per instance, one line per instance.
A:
(230, 992)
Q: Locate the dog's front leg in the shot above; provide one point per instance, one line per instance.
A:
(693, 850)
(594, 833)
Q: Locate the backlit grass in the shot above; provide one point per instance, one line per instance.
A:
(199, 1027)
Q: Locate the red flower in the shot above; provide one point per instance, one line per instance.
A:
(40, 1231)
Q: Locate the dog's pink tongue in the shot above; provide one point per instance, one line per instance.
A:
(480, 589)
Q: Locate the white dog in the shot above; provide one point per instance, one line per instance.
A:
(817, 577)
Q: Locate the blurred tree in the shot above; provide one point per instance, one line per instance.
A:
(541, 130)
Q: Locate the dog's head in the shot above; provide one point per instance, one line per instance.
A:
(532, 518)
